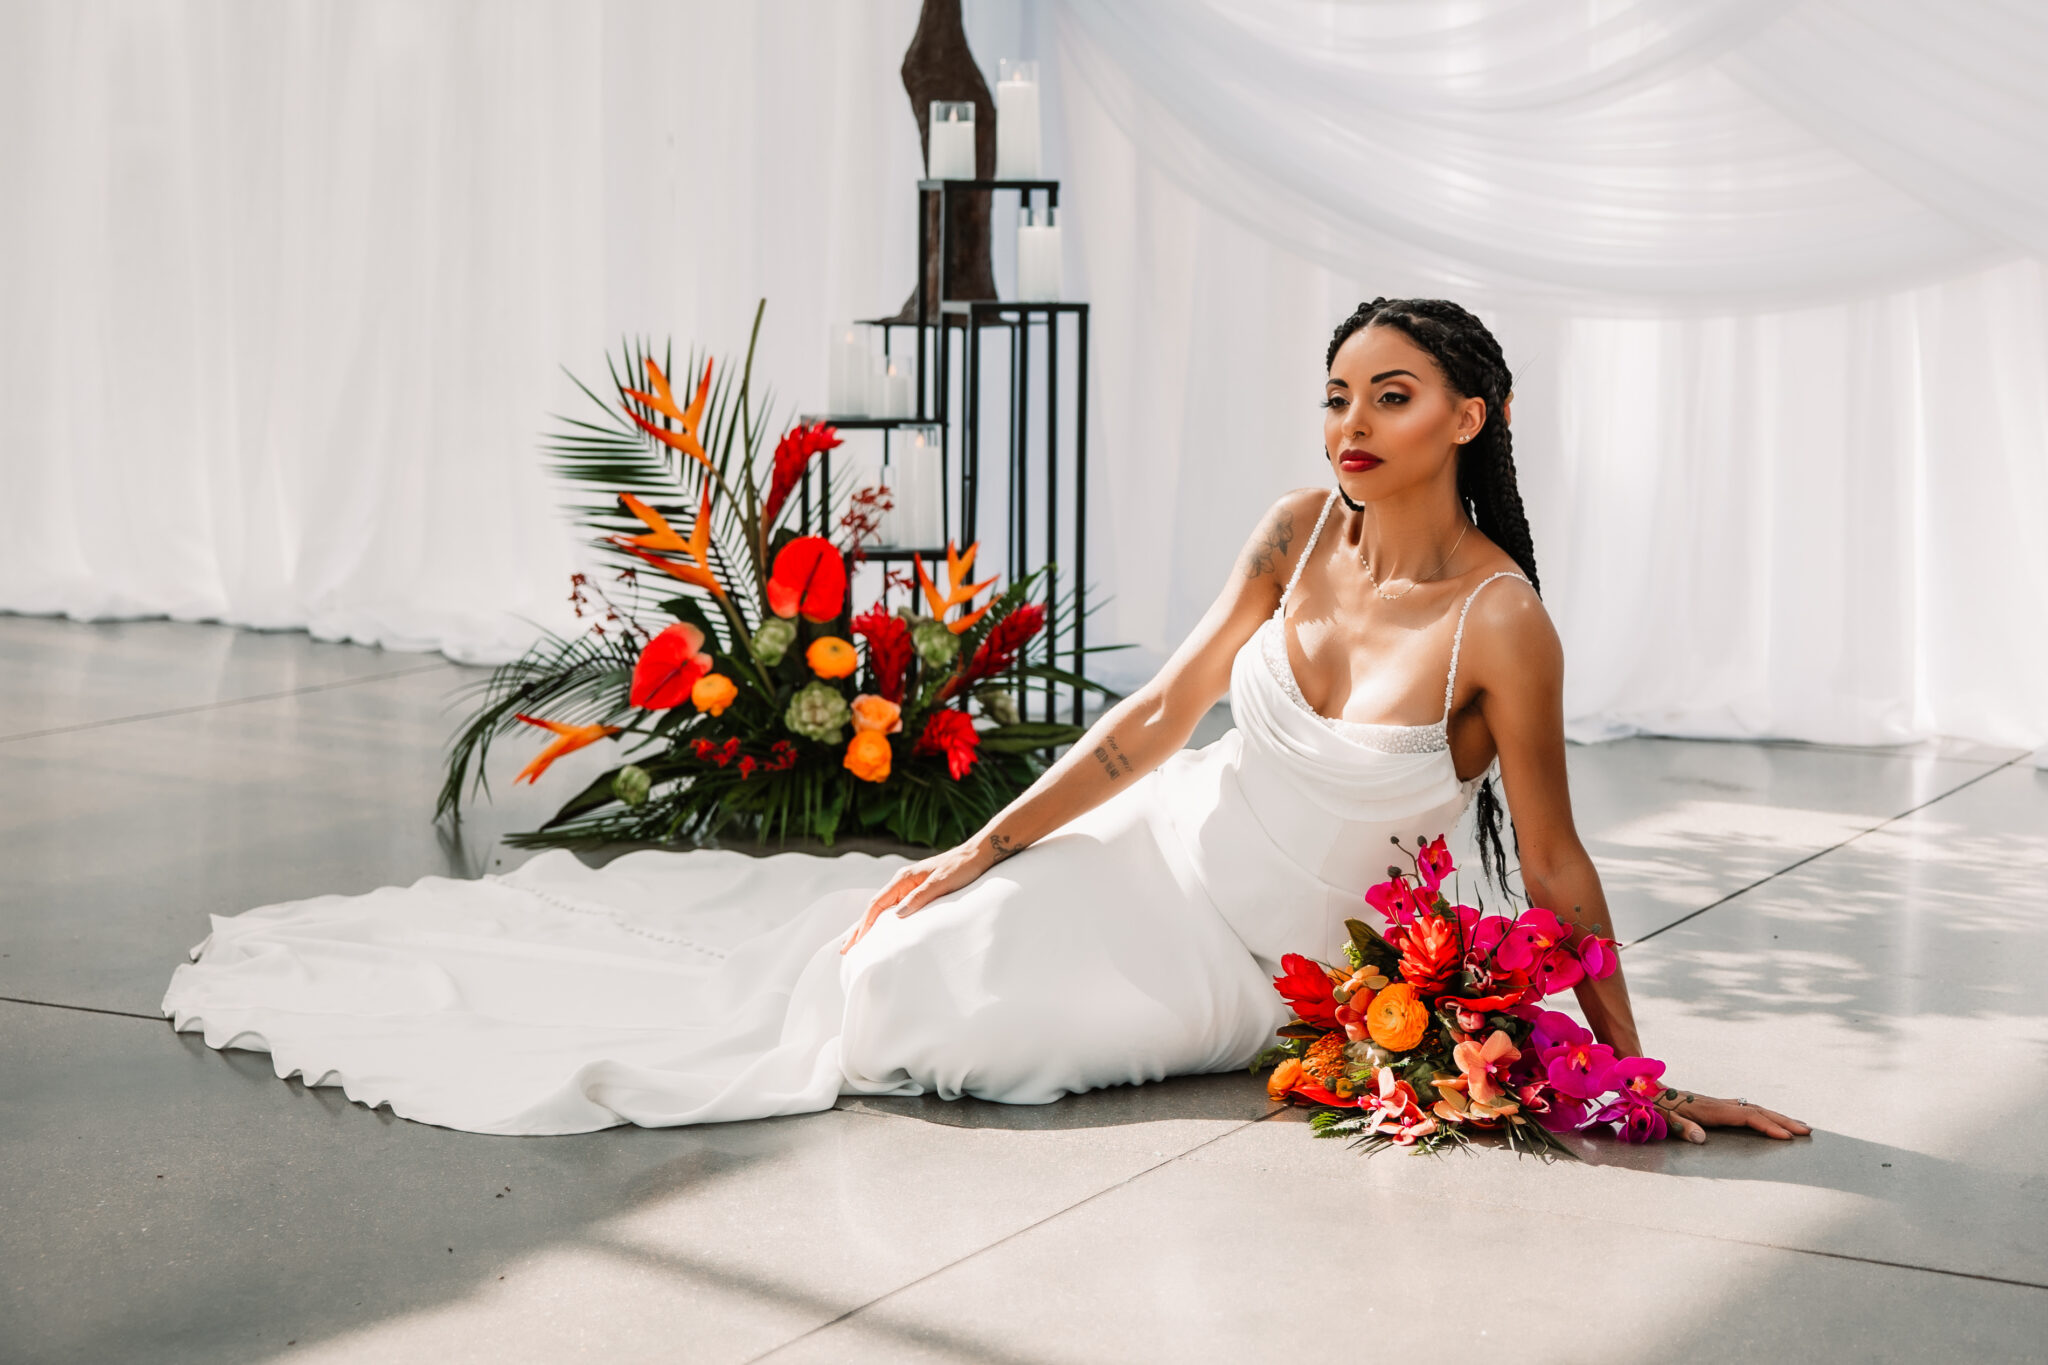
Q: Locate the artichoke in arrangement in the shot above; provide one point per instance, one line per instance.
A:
(631, 784)
(817, 711)
(773, 640)
(998, 705)
(936, 645)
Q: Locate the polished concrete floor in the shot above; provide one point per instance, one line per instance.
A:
(1850, 935)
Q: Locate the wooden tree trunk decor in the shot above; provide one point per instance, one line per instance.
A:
(940, 66)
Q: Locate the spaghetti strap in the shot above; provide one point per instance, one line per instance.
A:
(1285, 592)
(1458, 640)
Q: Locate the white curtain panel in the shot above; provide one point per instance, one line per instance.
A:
(287, 286)
(1769, 274)
(284, 288)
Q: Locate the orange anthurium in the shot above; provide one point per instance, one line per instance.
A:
(661, 536)
(663, 401)
(958, 591)
(569, 739)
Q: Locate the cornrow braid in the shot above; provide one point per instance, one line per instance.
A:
(1474, 367)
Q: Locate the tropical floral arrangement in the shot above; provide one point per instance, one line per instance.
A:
(727, 653)
(1432, 1028)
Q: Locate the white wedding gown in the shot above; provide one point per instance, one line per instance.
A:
(1133, 943)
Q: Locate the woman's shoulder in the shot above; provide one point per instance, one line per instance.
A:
(1282, 530)
(1507, 620)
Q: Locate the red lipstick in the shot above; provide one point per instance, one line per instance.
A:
(1356, 461)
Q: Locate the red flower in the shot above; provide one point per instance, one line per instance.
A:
(781, 757)
(998, 650)
(951, 733)
(792, 457)
(747, 765)
(1429, 952)
(669, 667)
(1308, 990)
(889, 649)
(710, 751)
(809, 578)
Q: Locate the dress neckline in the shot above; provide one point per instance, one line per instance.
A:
(1430, 737)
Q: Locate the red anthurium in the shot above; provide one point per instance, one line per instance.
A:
(669, 667)
(809, 579)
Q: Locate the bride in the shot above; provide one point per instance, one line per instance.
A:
(1116, 923)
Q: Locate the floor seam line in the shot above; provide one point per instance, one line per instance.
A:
(88, 1009)
(223, 705)
(1822, 853)
(1006, 1238)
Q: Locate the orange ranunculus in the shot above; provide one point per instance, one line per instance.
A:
(831, 657)
(713, 693)
(958, 592)
(569, 739)
(1285, 1077)
(1397, 1018)
(867, 756)
(663, 401)
(877, 714)
(661, 536)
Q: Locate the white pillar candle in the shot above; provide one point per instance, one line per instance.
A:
(951, 156)
(917, 521)
(1017, 121)
(849, 363)
(898, 386)
(1038, 256)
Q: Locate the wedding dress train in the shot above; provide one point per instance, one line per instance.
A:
(1133, 943)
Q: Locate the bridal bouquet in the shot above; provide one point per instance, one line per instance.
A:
(1433, 1028)
(754, 697)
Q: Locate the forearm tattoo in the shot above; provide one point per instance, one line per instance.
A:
(1113, 759)
(1265, 556)
(1005, 846)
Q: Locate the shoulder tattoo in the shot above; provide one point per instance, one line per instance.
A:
(1274, 538)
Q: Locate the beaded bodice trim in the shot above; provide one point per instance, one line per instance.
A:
(1392, 739)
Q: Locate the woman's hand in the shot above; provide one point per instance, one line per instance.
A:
(1690, 1115)
(918, 885)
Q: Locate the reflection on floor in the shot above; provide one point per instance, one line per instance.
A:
(1854, 936)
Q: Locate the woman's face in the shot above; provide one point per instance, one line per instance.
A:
(1390, 421)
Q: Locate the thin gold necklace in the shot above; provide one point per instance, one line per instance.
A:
(1386, 596)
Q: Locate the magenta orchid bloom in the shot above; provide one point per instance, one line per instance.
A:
(1637, 1120)
(1397, 901)
(1558, 1113)
(1552, 1030)
(1637, 1076)
(1580, 1069)
(1433, 864)
(1483, 933)
(1535, 934)
(1599, 956)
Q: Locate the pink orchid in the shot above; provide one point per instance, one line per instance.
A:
(1552, 1030)
(1558, 1113)
(1396, 900)
(1580, 1069)
(1397, 1112)
(1433, 864)
(1638, 1120)
(1599, 956)
(1637, 1076)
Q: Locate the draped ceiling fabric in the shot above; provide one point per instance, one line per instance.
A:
(284, 287)
(1770, 276)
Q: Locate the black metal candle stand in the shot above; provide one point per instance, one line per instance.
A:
(949, 383)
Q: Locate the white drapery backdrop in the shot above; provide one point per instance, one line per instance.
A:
(286, 287)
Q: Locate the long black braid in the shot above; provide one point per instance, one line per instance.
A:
(1473, 365)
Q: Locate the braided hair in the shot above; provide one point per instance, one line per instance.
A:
(1473, 366)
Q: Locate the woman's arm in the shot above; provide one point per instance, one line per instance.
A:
(1512, 652)
(1138, 733)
